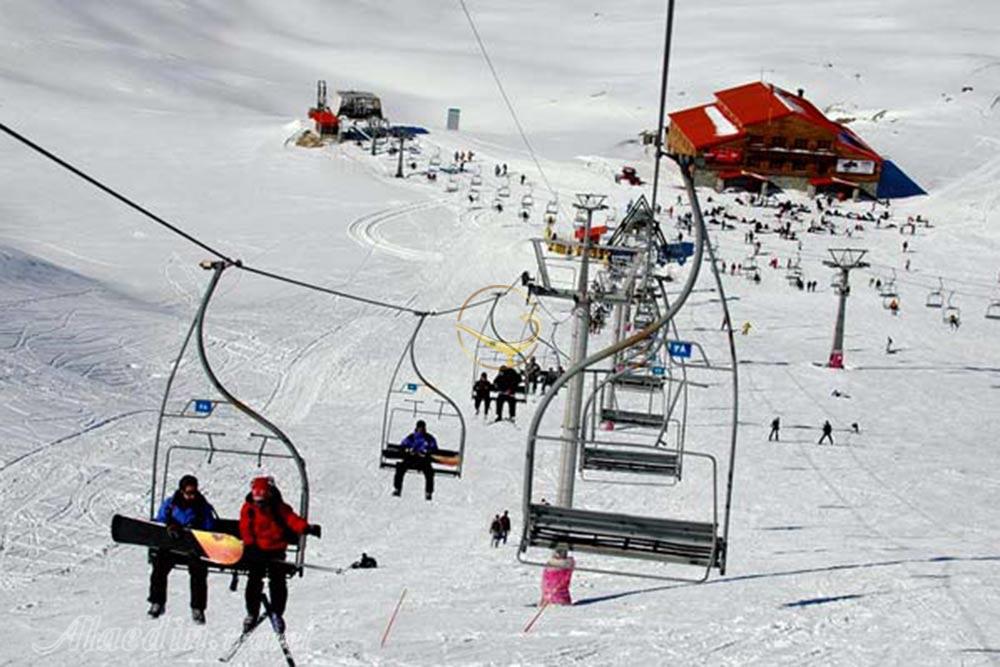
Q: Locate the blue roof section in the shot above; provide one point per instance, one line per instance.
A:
(895, 184)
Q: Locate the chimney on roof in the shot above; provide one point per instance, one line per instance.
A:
(801, 92)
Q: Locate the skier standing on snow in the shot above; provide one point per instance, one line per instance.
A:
(481, 394)
(504, 526)
(532, 373)
(495, 531)
(827, 433)
(775, 427)
(186, 508)
(417, 449)
(267, 523)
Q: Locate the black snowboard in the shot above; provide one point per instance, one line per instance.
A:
(126, 530)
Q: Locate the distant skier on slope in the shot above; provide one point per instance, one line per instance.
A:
(186, 508)
(504, 526)
(496, 531)
(417, 449)
(366, 562)
(827, 433)
(775, 428)
(267, 523)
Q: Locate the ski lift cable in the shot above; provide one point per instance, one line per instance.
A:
(213, 251)
(506, 98)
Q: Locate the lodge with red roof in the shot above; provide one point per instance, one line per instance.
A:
(758, 134)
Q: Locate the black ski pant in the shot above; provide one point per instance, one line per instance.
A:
(773, 435)
(163, 562)
(482, 400)
(826, 436)
(271, 564)
(421, 463)
(511, 403)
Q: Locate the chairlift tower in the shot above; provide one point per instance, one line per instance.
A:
(587, 203)
(845, 260)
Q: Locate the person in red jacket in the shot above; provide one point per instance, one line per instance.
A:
(267, 525)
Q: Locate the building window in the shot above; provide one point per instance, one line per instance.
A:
(823, 145)
(755, 140)
(778, 142)
(801, 144)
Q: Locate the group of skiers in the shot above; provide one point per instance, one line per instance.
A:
(267, 526)
(499, 529)
(826, 428)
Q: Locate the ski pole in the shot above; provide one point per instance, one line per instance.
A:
(392, 619)
(535, 617)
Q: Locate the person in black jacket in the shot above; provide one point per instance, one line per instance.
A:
(507, 382)
(504, 526)
(481, 394)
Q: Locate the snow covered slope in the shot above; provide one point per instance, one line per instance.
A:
(880, 552)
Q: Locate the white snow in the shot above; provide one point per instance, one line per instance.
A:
(723, 126)
(881, 550)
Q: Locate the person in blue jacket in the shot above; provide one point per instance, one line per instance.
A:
(186, 508)
(417, 450)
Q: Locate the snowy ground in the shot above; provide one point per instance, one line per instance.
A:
(881, 550)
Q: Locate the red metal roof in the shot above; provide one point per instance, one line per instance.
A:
(700, 129)
(755, 103)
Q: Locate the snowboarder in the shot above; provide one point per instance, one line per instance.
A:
(267, 523)
(366, 562)
(417, 449)
(827, 433)
(507, 382)
(888, 345)
(495, 531)
(775, 428)
(186, 508)
(481, 394)
(953, 322)
(746, 328)
(504, 526)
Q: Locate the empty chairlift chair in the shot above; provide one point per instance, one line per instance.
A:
(935, 298)
(613, 535)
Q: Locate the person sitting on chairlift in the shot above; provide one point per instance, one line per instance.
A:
(186, 508)
(267, 525)
(417, 450)
(507, 383)
(481, 394)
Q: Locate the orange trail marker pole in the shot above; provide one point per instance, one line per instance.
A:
(535, 617)
(392, 619)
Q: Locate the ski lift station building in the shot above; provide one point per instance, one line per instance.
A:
(759, 134)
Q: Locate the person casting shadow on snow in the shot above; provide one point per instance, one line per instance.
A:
(186, 508)
(417, 450)
(827, 433)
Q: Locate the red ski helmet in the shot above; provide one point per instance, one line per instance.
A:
(260, 487)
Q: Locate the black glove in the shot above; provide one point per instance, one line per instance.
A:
(173, 531)
(315, 530)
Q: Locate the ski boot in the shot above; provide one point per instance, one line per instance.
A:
(198, 616)
(249, 622)
(278, 624)
(396, 492)
(427, 496)
(155, 610)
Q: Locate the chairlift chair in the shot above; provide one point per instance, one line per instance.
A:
(699, 543)
(993, 309)
(476, 181)
(552, 208)
(888, 288)
(204, 441)
(404, 406)
(451, 185)
(951, 310)
(503, 191)
(935, 298)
